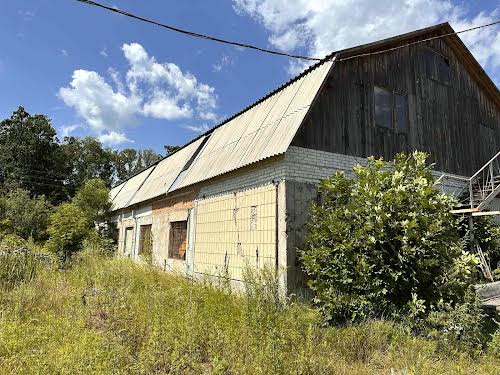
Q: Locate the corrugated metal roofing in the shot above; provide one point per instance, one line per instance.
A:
(165, 173)
(264, 130)
(124, 196)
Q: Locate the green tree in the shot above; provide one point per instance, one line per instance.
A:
(93, 200)
(67, 230)
(129, 162)
(87, 159)
(382, 242)
(169, 149)
(30, 155)
(23, 215)
(74, 221)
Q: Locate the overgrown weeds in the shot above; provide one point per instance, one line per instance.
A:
(111, 316)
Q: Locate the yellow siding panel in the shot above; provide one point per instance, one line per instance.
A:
(234, 231)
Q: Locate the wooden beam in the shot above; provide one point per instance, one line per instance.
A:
(486, 213)
(464, 211)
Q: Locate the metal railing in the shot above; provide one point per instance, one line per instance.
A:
(475, 192)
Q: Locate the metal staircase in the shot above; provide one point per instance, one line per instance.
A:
(476, 193)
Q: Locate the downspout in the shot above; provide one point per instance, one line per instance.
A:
(276, 219)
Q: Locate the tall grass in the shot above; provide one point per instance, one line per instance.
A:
(111, 316)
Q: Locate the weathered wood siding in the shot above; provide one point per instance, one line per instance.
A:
(447, 121)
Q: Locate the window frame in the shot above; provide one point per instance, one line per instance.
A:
(428, 49)
(171, 253)
(126, 238)
(394, 124)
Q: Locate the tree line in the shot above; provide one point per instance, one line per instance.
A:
(32, 158)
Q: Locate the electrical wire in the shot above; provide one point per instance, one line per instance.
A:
(197, 35)
(420, 41)
(244, 45)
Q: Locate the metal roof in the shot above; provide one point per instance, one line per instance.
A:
(166, 171)
(263, 131)
(129, 189)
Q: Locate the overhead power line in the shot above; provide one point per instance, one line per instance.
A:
(197, 35)
(265, 50)
(420, 41)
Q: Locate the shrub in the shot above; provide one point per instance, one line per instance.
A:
(461, 327)
(68, 227)
(24, 216)
(381, 241)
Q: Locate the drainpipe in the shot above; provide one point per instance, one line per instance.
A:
(276, 242)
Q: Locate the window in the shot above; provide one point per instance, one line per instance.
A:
(145, 240)
(129, 238)
(178, 240)
(437, 67)
(391, 110)
(383, 108)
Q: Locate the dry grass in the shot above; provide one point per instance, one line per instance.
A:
(110, 316)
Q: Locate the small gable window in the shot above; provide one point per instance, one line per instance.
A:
(391, 110)
(437, 67)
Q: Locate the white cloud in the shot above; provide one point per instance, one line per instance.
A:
(27, 15)
(224, 62)
(114, 138)
(68, 130)
(64, 53)
(95, 100)
(197, 128)
(149, 89)
(104, 52)
(164, 107)
(323, 26)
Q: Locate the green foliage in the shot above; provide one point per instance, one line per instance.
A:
(20, 261)
(86, 159)
(110, 316)
(24, 216)
(381, 241)
(68, 227)
(73, 221)
(462, 327)
(30, 155)
(494, 345)
(487, 236)
(129, 162)
(93, 199)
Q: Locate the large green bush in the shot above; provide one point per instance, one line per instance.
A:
(75, 221)
(23, 215)
(68, 227)
(383, 243)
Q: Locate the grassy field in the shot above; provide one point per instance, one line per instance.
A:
(110, 316)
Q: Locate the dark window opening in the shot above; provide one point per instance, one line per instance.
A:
(178, 240)
(391, 110)
(383, 107)
(437, 67)
(146, 240)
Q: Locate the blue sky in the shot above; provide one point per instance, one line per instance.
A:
(135, 85)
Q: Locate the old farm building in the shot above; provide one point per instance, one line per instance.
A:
(238, 195)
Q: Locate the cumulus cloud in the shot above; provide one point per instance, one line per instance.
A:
(66, 131)
(95, 101)
(114, 139)
(323, 26)
(148, 89)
